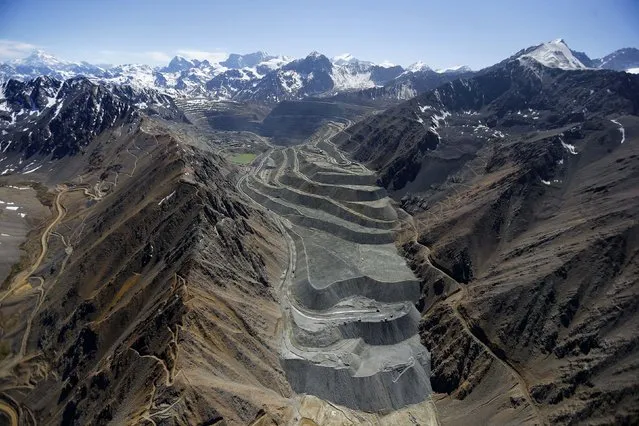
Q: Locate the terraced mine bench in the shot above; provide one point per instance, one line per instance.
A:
(350, 333)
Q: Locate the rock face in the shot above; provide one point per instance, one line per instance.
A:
(519, 181)
(350, 326)
(47, 117)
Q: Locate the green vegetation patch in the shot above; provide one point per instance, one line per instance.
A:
(243, 159)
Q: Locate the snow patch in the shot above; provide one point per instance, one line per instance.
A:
(32, 170)
(570, 148)
(168, 197)
(621, 129)
(347, 79)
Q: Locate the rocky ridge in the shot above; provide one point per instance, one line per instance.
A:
(519, 181)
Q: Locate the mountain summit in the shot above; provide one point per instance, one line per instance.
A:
(553, 54)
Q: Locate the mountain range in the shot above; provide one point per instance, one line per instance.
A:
(261, 77)
(269, 241)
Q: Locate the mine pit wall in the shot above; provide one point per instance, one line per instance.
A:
(330, 150)
(342, 193)
(323, 298)
(333, 175)
(383, 392)
(323, 204)
(343, 232)
(293, 215)
(326, 177)
(383, 212)
(387, 332)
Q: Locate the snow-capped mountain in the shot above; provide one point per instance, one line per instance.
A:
(458, 69)
(557, 54)
(261, 77)
(350, 73)
(41, 63)
(255, 76)
(345, 59)
(553, 54)
(418, 66)
(51, 117)
(250, 60)
(309, 76)
(180, 63)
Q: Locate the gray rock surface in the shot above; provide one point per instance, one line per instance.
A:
(350, 332)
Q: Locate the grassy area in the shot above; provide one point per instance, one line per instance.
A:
(245, 158)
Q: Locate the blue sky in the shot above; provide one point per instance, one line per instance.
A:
(440, 33)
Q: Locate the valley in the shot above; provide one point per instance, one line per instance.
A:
(348, 298)
(272, 241)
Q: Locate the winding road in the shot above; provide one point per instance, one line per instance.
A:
(22, 278)
(20, 281)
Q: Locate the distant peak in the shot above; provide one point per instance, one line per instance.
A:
(39, 57)
(418, 66)
(39, 53)
(344, 57)
(558, 41)
(455, 69)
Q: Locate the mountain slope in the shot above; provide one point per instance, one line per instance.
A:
(519, 181)
(132, 294)
(49, 117)
(620, 60)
